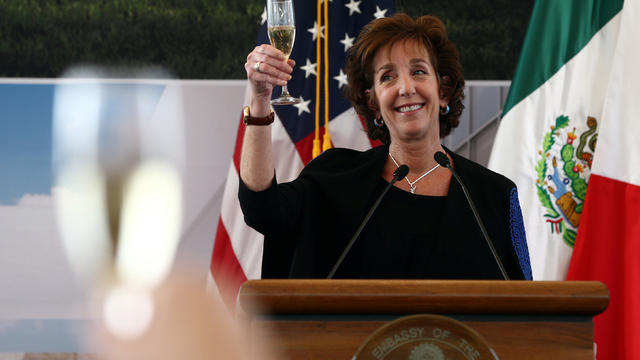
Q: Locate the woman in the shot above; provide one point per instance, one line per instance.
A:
(405, 79)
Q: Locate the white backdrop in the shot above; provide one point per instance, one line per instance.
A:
(37, 288)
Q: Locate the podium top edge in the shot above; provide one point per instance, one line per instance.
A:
(420, 296)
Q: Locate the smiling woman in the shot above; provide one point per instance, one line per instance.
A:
(406, 91)
(429, 39)
(405, 80)
(405, 97)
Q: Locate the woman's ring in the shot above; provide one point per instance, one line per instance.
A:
(256, 67)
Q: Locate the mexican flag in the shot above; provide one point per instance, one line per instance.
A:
(577, 85)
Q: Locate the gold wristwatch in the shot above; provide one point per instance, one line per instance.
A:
(252, 120)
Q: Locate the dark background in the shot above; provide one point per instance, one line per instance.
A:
(200, 39)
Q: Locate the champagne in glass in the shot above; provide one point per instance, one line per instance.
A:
(282, 37)
(282, 33)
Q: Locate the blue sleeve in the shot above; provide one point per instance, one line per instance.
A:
(518, 236)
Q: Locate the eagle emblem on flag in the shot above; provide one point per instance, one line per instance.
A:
(562, 170)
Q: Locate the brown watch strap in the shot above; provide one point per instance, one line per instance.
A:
(250, 120)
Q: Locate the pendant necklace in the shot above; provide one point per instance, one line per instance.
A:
(412, 184)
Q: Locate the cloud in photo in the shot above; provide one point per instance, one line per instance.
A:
(35, 200)
(35, 276)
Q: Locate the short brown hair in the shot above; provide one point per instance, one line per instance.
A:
(428, 31)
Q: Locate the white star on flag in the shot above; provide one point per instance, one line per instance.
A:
(314, 31)
(303, 106)
(354, 6)
(347, 41)
(342, 79)
(379, 12)
(263, 17)
(309, 68)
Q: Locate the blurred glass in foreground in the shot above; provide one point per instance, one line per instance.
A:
(118, 156)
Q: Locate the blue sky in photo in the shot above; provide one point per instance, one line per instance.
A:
(25, 140)
(26, 112)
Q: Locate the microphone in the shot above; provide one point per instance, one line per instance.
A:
(443, 160)
(400, 173)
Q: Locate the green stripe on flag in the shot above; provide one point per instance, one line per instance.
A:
(557, 31)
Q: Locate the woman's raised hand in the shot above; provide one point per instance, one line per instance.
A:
(266, 68)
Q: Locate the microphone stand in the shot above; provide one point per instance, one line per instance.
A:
(400, 172)
(443, 160)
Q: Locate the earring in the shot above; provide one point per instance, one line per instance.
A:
(378, 122)
(445, 110)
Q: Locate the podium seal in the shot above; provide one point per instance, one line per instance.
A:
(425, 337)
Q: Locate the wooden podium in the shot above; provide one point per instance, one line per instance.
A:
(329, 319)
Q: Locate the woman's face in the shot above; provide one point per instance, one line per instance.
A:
(407, 92)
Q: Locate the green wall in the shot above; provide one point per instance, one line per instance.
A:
(199, 39)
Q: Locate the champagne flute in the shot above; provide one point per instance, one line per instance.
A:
(282, 33)
(118, 188)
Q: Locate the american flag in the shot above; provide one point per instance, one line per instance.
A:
(237, 253)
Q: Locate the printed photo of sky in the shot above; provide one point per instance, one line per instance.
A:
(25, 141)
(26, 134)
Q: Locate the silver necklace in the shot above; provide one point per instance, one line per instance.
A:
(412, 184)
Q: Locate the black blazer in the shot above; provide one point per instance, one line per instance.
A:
(308, 222)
